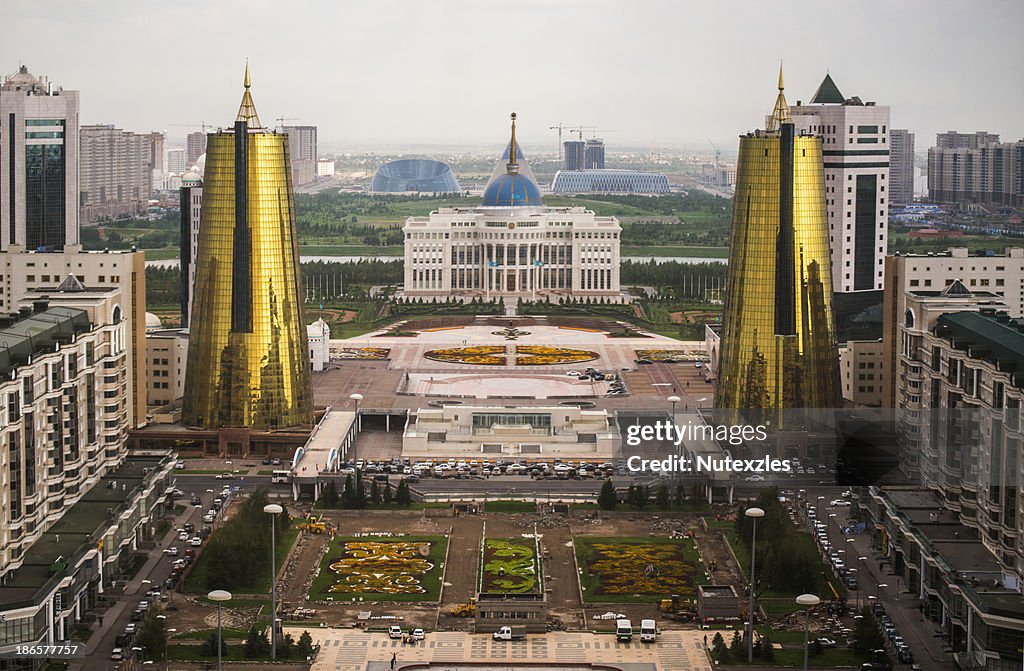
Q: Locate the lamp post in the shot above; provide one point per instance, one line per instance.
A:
(860, 577)
(753, 514)
(673, 400)
(808, 601)
(273, 510)
(357, 398)
(167, 636)
(220, 596)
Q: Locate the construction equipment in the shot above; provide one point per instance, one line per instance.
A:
(312, 524)
(678, 608)
(718, 154)
(281, 119)
(464, 609)
(202, 124)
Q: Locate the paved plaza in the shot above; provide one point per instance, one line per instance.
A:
(357, 650)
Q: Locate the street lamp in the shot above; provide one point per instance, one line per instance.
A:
(219, 595)
(673, 400)
(166, 642)
(273, 510)
(808, 601)
(357, 398)
(753, 514)
(860, 577)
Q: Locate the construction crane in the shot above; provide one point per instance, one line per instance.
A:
(579, 130)
(201, 124)
(718, 154)
(568, 128)
(281, 119)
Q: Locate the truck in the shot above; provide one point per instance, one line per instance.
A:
(464, 609)
(510, 633)
(648, 631)
(623, 630)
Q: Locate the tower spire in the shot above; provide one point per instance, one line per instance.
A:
(513, 165)
(780, 114)
(247, 110)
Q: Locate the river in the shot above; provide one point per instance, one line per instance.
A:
(173, 263)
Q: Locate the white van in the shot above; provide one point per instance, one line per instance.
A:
(648, 631)
(623, 630)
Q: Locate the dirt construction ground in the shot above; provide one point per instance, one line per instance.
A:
(465, 533)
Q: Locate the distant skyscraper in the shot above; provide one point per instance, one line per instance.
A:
(195, 146)
(855, 139)
(38, 163)
(901, 167)
(248, 365)
(778, 341)
(575, 154)
(302, 143)
(593, 154)
(952, 139)
(176, 161)
(155, 142)
(191, 214)
(115, 178)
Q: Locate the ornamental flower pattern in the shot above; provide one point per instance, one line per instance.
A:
(509, 566)
(382, 568)
(523, 355)
(642, 568)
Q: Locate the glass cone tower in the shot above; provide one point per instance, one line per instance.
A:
(247, 344)
(778, 341)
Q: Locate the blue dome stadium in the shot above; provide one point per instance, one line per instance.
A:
(512, 190)
(513, 186)
(414, 174)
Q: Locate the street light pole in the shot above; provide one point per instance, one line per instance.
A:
(860, 579)
(273, 510)
(219, 595)
(753, 514)
(808, 601)
(168, 632)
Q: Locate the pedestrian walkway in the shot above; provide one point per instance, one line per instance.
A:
(356, 650)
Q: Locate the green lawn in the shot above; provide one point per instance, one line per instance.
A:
(203, 634)
(161, 254)
(831, 657)
(510, 507)
(510, 566)
(350, 250)
(677, 569)
(390, 574)
(784, 600)
(190, 653)
(196, 583)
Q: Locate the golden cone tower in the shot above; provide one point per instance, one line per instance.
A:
(778, 341)
(247, 362)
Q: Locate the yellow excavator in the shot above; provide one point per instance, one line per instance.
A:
(312, 524)
(464, 609)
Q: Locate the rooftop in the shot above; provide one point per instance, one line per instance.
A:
(988, 335)
(828, 93)
(35, 330)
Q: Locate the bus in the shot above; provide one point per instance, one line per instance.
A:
(280, 476)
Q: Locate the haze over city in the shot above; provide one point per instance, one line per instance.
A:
(447, 73)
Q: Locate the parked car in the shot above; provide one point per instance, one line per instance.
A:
(394, 631)
(180, 465)
(418, 635)
(171, 551)
(196, 541)
(224, 476)
(117, 654)
(182, 535)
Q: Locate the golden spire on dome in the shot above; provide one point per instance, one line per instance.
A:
(247, 110)
(780, 114)
(513, 165)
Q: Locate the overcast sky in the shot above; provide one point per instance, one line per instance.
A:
(645, 72)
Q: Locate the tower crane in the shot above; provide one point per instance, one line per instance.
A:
(202, 124)
(281, 119)
(718, 154)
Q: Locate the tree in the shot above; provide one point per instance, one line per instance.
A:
(284, 523)
(286, 647)
(152, 636)
(348, 492)
(631, 495)
(256, 643)
(305, 644)
(662, 497)
(866, 635)
(209, 646)
(607, 499)
(403, 496)
(767, 651)
(816, 648)
(680, 495)
(736, 645)
(720, 649)
(330, 495)
(374, 492)
(388, 494)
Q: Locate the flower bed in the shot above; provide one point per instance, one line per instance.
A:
(636, 569)
(371, 353)
(478, 355)
(539, 355)
(509, 566)
(381, 569)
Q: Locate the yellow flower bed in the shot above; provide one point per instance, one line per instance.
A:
(385, 568)
(540, 355)
(477, 355)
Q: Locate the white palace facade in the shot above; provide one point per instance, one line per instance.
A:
(511, 245)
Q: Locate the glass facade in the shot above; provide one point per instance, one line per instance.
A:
(247, 361)
(413, 174)
(44, 196)
(778, 341)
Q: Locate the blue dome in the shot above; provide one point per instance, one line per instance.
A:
(512, 190)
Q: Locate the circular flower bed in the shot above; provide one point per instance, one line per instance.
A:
(539, 355)
(479, 355)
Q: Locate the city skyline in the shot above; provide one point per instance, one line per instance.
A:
(395, 73)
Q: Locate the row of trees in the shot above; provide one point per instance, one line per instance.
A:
(640, 496)
(737, 648)
(257, 645)
(354, 494)
(786, 563)
(246, 535)
(675, 278)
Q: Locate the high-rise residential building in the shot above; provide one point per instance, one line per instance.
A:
(195, 146)
(855, 153)
(901, 166)
(248, 366)
(325, 167)
(778, 339)
(1002, 275)
(974, 171)
(302, 144)
(575, 153)
(166, 363)
(952, 139)
(593, 154)
(115, 178)
(38, 163)
(176, 161)
(512, 245)
(156, 142)
(191, 215)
